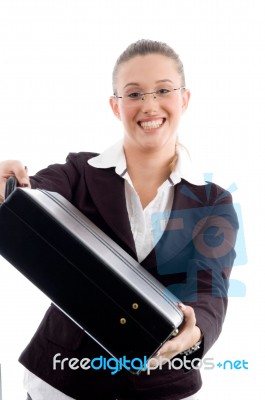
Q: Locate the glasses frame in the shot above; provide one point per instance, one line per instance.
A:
(155, 93)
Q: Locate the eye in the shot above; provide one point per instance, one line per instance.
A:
(135, 95)
(163, 92)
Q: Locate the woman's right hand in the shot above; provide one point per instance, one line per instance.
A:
(12, 168)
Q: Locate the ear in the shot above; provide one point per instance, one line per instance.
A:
(185, 100)
(114, 106)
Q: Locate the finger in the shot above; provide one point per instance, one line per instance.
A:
(174, 345)
(17, 169)
(23, 178)
(189, 315)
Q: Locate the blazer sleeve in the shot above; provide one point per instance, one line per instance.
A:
(62, 178)
(208, 271)
(195, 256)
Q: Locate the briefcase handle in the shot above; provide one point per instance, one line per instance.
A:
(11, 185)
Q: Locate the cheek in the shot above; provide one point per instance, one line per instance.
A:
(126, 115)
(175, 112)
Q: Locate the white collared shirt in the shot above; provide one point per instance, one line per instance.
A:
(141, 225)
(141, 219)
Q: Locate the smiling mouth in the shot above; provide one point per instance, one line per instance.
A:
(154, 124)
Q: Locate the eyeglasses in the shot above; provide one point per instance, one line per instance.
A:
(133, 98)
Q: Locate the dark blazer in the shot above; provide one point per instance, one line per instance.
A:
(193, 258)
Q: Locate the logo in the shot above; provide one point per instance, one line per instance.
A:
(115, 365)
(210, 236)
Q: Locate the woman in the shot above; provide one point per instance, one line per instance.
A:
(146, 174)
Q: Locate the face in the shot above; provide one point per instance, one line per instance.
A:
(149, 124)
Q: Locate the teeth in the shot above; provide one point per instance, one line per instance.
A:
(152, 124)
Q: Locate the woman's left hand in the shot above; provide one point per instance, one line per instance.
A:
(189, 334)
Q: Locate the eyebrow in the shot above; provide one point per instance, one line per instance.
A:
(137, 84)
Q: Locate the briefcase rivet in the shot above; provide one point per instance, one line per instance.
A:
(135, 306)
(123, 321)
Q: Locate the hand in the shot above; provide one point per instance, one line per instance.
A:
(188, 336)
(12, 168)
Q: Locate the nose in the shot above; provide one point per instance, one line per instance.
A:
(149, 102)
(150, 94)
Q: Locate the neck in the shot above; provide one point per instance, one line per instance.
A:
(149, 167)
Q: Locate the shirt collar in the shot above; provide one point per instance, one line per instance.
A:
(114, 157)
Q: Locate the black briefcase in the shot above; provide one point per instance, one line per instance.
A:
(86, 274)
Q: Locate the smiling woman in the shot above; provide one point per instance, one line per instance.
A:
(149, 98)
(121, 190)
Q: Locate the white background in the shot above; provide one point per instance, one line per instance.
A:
(56, 60)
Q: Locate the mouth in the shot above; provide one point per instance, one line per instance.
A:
(151, 124)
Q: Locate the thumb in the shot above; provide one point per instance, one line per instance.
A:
(188, 313)
(22, 177)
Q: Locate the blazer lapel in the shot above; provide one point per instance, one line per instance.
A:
(107, 191)
(178, 232)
